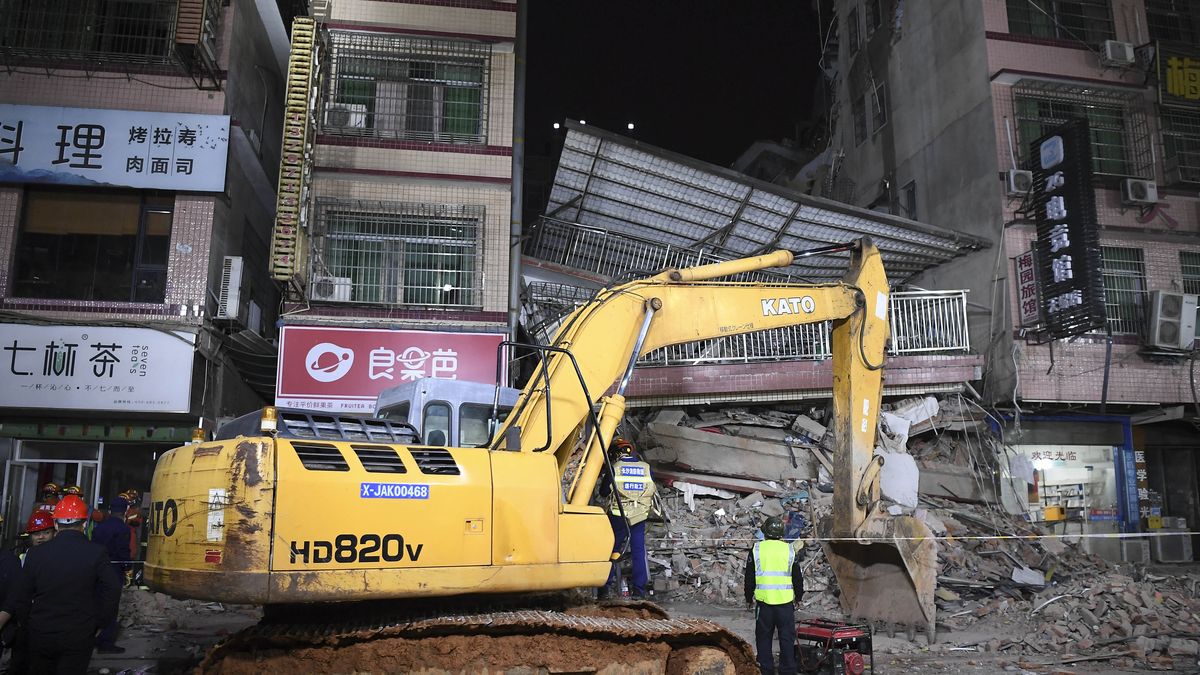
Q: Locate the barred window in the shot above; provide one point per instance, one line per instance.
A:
(858, 110)
(398, 254)
(1189, 265)
(1174, 21)
(1120, 136)
(1124, 287)
(1181, 146)
(137, 30)
(878, 106)
(854, 29)
(874, 15)
(1088, 21)
(397, 87)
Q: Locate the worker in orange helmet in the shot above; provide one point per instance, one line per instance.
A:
(66, 593)
(50, 496)
(630, 504)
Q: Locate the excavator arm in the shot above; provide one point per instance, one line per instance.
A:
(886, 566)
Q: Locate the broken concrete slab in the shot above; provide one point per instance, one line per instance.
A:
(809, 427)
(734, 485)
(725, 455)
(898, 478)
(672, 416)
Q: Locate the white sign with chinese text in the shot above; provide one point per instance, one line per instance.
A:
(95, 368)
(90, 146)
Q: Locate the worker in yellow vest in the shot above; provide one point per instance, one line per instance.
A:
(632, 494)
(774, 584)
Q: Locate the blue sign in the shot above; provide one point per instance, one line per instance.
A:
(633, 486)
(633, 471)
(393, 491)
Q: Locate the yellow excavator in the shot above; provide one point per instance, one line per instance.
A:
(372, 551)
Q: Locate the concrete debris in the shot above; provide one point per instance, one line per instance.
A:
(994, 569)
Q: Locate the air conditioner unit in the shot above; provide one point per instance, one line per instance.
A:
(346, 116)
(1117, 53)
(1135, 550)
(1019, 182)
(1138, 191)
(1172, 320)
(330, 289)
(1177, 173)
(229, 295)
(1172, 546)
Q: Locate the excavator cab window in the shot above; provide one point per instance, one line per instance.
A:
(475, 424)
(396, 413)
(436, 425)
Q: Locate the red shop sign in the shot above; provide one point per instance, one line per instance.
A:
(344, 369)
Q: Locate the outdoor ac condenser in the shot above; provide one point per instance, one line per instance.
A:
(1172, 546)
(330, 289)
(229, 295)
(1172, 320)
(1135, 550)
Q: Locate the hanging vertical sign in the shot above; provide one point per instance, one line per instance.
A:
(1068, 243)
(1027, 289)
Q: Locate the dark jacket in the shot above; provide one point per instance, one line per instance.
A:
(67, 590)
(750, 584)
(114, 536)
(10, 571)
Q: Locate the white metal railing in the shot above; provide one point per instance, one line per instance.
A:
(922, 322)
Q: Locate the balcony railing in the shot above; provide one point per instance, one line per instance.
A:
(123, 30)
(922, 322)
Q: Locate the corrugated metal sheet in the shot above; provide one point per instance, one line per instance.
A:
(613, 183)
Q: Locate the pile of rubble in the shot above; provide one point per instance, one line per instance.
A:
(1005, 585)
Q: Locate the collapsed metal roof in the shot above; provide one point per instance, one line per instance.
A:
(616, 184)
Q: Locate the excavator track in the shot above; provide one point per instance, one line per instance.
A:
(596, 638)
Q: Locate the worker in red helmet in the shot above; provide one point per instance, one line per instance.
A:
(66, 594)
(40, 528)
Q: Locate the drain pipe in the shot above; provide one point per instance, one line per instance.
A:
(518, 166)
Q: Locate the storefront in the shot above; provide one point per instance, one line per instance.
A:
(91, 406)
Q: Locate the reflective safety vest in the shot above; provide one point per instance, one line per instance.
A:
(634, 488)
(773, 561)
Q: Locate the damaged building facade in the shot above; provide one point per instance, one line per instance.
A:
(1087, 334)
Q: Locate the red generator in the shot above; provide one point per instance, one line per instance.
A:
(833, 647)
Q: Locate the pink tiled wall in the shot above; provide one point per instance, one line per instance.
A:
(188, 259)
(10, 211)
(1078, 371)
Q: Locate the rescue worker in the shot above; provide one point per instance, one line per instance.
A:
(10, 572)
(773, 586)
(68, 590)
(50, 495)
(39, 530)
(633, 493)
(112, 534)
(73, 490)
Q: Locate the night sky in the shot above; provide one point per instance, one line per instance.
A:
(704, 78)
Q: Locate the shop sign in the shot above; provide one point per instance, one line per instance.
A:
(1027, 289)
(128, 148)
(95, 368)
(1132, 503)
(344, 369)
(1179, 73)
(1068, 244)
(1103, 515)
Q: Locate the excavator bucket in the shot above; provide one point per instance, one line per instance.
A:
(888, 577)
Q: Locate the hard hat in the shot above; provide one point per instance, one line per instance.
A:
(70, 508)
(623, 446)
(773, 528)
(50, 488)
(40, 520)
(72, 490)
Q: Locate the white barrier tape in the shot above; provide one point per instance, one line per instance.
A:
(1026, 537)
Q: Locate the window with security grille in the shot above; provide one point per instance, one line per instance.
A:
(1112, 131)
(1181, 145)
(853, 23)
(878, 98)
(1189, 266)
(1124, 287)
(858, 110)
(1087, 21)
(1174, 21)
(398, 254)
(397, 87)
(127, 30)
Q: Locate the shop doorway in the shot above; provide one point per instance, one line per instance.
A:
(36, 463)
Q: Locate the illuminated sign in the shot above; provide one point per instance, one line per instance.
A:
(1027, 288)
(1068, 244)
(291, 196)
(1179, 78)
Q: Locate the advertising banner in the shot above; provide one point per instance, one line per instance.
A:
(95, 368)
(130, 148)
(344, 369)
